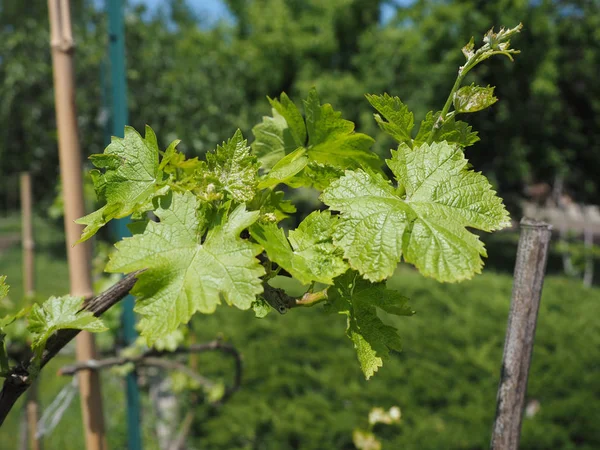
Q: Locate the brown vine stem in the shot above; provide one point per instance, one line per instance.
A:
(19, 379)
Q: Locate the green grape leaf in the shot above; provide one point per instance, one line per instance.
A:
(316, 175)
(329, 141)
(286, 168)
(272, 206)
(397, 120)
(309, 255)
(235, 168)
(292, 116)
(4, 322)
(131, 180)
(452, 131)
(424, 219)
(273, 140)
(185, 274)
(3, 287)
(374, 219)
(473, 98)
(59, 313)
(261, 308)
(358, 299)
(332, 140)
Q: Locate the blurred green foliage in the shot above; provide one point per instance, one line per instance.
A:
(199, 82)
(302, 388)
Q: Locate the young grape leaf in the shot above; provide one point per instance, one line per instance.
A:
(272, 206)
(329, 140)
(359, 300)
(285, 169)
(273, 140)
(235, 168)
(4, 322)
(3, 287)
(310, 254)
(473, 98)
(452, 131)
(131, 179)
(317, 175)
(332, 140)
(424, 220)
(293, 118)
(261, 308)
(183, 273)
(397, 120)
(59, 313)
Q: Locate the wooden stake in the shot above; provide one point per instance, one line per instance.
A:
(28, 244)
(33, 415)
(27, 241)
(532, 254)
(61, 41)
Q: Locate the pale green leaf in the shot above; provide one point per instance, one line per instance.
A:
(452, 131)
(3, 287)
(309, 255)
(329, 140)
(332, 140)
(235, 168)
(317, 175)
(286, 168)
(425, 219)
(359, 300)
(397, 120)
(289, 111)
(273, 140)
(473, 98)
(374, 219)
(272, 206)
(60, 313)
(185, 274)
(261, 308)
(131, 179)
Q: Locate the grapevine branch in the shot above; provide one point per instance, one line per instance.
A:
(19, 379)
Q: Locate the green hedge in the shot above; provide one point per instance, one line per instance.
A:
(303, 389)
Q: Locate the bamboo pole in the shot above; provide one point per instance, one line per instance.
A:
(27, 234)
(27, 241)
(61, 41)
(532, 254)
(28, 244)
(33, 416)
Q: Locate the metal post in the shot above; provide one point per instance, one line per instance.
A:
(532, 254)
(119, 118)
(80, 276)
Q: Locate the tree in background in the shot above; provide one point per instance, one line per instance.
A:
(201, 81)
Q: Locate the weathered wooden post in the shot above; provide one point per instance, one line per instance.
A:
(532, 254)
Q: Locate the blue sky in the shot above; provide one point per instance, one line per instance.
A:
(213, 10)
(210, 10)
